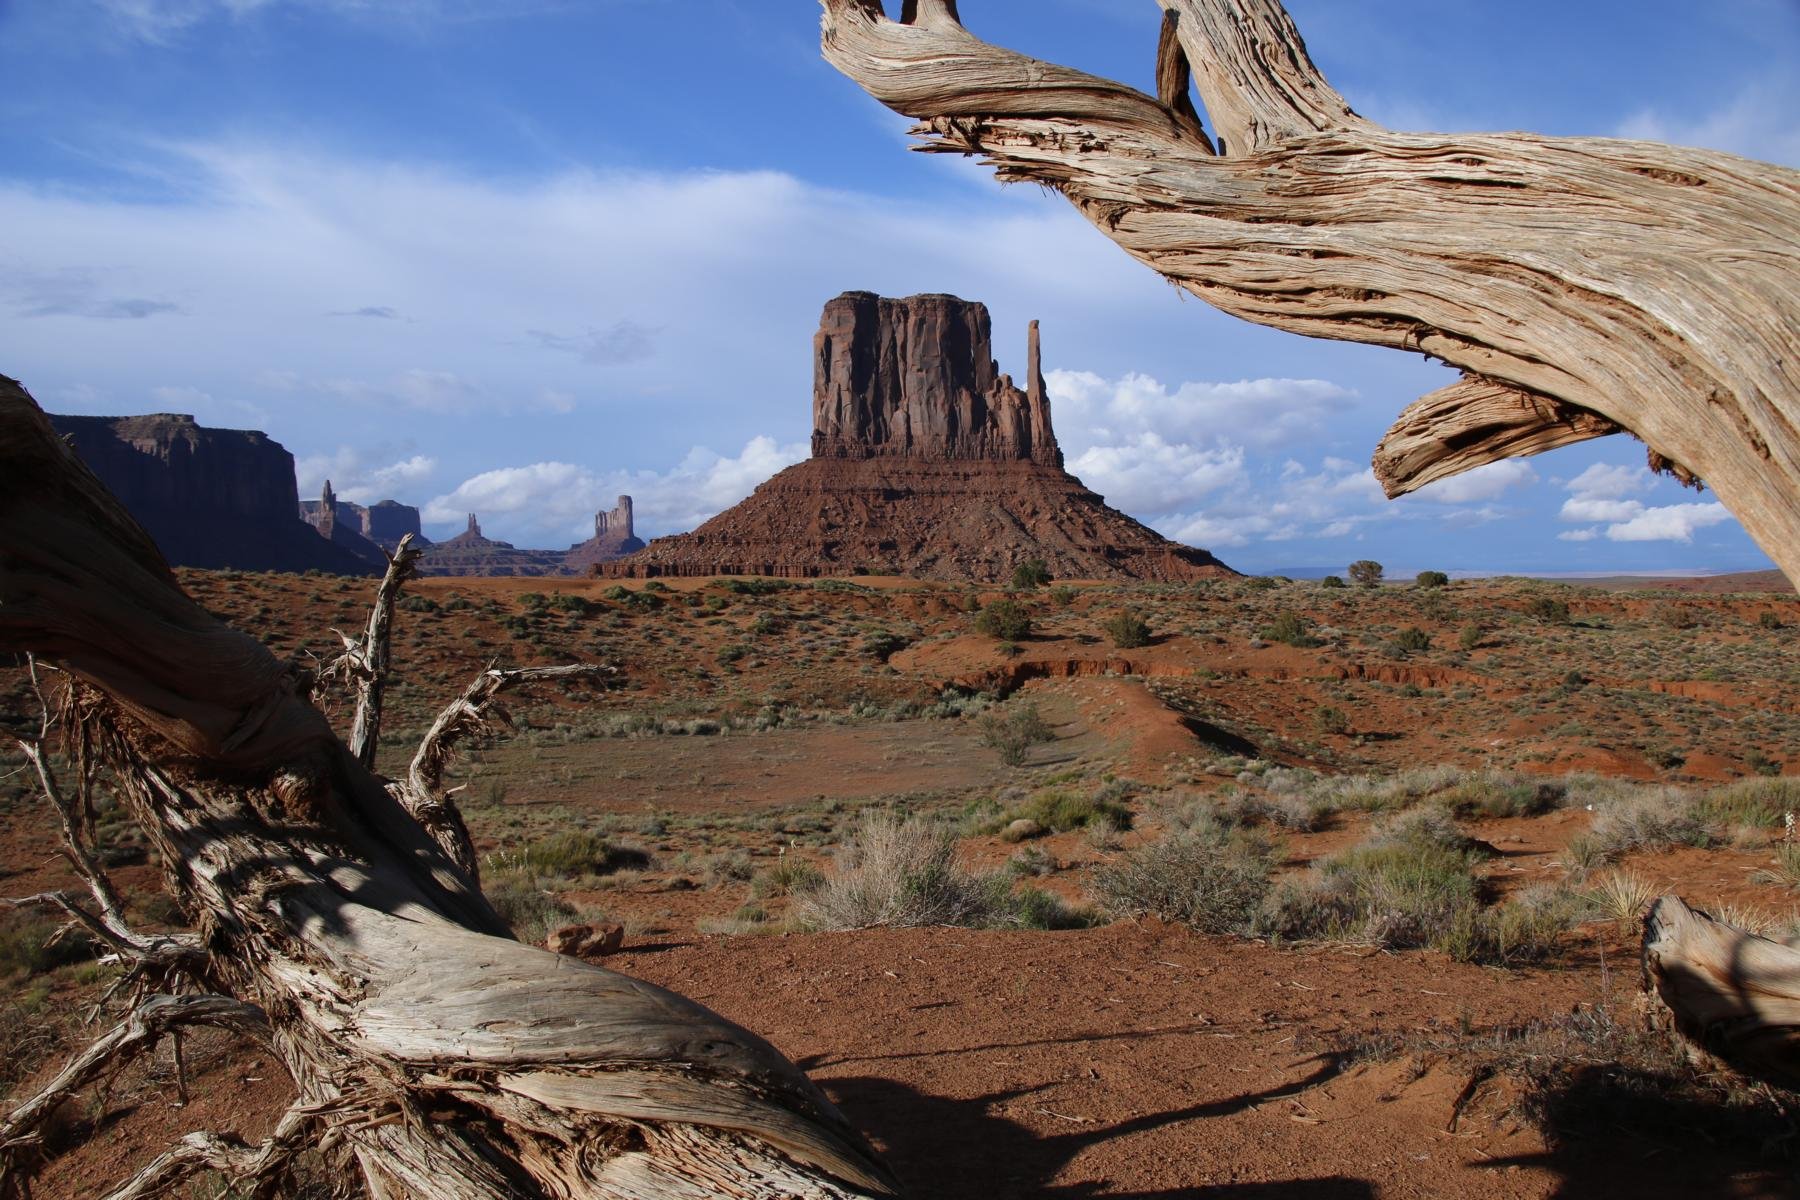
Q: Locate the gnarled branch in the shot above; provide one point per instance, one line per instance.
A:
(364, 662)
(1649, 287)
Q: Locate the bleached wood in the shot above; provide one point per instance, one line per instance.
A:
(1651, 286)
(1735, 994)
(396, 997)
(364, 662)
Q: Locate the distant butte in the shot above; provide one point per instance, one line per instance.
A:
(928, 462)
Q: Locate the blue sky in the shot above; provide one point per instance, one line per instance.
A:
(517, 256)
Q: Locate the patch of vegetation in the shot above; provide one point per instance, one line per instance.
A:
(1332, 581)
(1412, 640)
(1431, 579)
(1004, 620)
(903, 872)
(1365, 572)
(570, 855)
(1127, 629)
(1755, 803)
(1547, 610)
(1332, 719)
(883, 644)
(1030, 575)
(1063, 595)
(1014, 732)
(1289, 628)
(1060, 811)
(789, 876)
(1209, 875)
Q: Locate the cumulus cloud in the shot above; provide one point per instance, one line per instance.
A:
(1668, 523)
(545, 501)
(1483, 483)
(1588, 508)
(1148, 474)
(1257, 412)
(1608, 482)
(1578, 535)
(363, 477)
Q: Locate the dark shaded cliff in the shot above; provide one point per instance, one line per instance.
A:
(217, 498)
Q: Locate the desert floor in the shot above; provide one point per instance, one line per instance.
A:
(1593, 746)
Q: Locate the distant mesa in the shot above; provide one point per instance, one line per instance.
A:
(469, 553)
(928, 462)
(382, 524)
(214, 498)
(613, 538)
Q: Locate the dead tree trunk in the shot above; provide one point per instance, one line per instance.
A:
(1734, 994)
(1582, 285)
(452, 1061)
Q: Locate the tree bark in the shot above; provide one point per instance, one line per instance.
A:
(1734, 994)
(454, 1062)
(1594, 284)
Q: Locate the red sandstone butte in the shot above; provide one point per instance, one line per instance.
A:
(928, 462)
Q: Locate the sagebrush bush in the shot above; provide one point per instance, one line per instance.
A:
(903, 872)
(1208, 875)
(789, 876)
(1289, 628)
(1127, 629)
(1759, 803)
(1007, 620)
(1015, 731)
(1029, 575)
(1647, 819)
(524, 902)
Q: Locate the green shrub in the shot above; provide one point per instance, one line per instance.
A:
(1127, 629)
(1063, 595)
(30, 944)
(1412, 640)
(1014, 732)
(1005, 620)
(1332, 719)
(525, 904)
(790, 876)
(1547, 610)
(758, 585)
(1365, 572)
(1470, 637)
(1431, 579)
(883, 644)
(1060, 812)
(1208, 875)
(572, 854)
(1262, 583)
(1767, 619)
(1647, 819)
(1289, 628)
(1029, 575)
(1332, 581)
(1760, 803)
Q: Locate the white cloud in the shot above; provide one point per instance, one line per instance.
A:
(361, 478)
(1668, 523)
(1578, 535)
(161, 22)
(1750, 123)
(1586, 508)
(1147, 474)
(1257, 412)
(551, 500)
(1606, 482)
(1483, 483)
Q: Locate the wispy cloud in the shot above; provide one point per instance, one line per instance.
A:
(619, 343)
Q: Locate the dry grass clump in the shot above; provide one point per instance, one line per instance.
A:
(788, 877)
(573, 854)
(525, 902)
(1786, 871)
(1758, 804)
(1210, 875)
(1015, 732)
(1061, 811)
(1644, 818)
(903, 872)
(1621, 896)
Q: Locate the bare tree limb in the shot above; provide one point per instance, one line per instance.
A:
(139, 1033)
(1611, 283)
(364, 662)
(469, 715)
(262, 1165)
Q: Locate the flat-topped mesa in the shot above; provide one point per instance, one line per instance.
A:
(916, 378)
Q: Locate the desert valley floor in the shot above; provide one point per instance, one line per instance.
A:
(1577, 750)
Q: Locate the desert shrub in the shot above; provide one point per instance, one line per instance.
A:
(1061, 811)
(903, 872)
(883, 644)
(570, 603)
(1677, 616)
(1526, 929)
(1412, 640)
(1620, 896)
(1490, 794)
(1786, 870)
(1365, 572)
(1063, 595)
(1029, 575)
(1547, 610)
(1332, 719)
(1648, 819)
(1767, 619)
(30, 945)
(572, 854)
(1014, 732)
(617, 592)
(526, 904)
(1290, 628)
(418, 604)
(1208, 875)
(1431, 579)
(1332, 581)
(1031, 862)
(1127, 629)
(757, 585)
(765, 624)
(733, 866)
(1007, 620)
(732, 653)
(1469, 638)
(1759, 803)
(1262, 583)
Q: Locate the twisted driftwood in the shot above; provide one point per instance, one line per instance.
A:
(1582, 285)
(451, 1061)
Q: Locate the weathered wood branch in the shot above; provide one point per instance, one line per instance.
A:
(263, 1166)
(365, 660)
(1734, 994)
(151, 1021)
(469, 715)
(1649, 286)
(478, 1067)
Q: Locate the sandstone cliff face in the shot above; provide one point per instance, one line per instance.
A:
(927, 462)
(614, 537)
(917, 378)
(218, 498)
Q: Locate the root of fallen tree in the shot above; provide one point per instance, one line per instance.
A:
(1582, 285)
(340, 917)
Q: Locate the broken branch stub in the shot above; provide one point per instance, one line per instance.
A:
(1605, 284)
